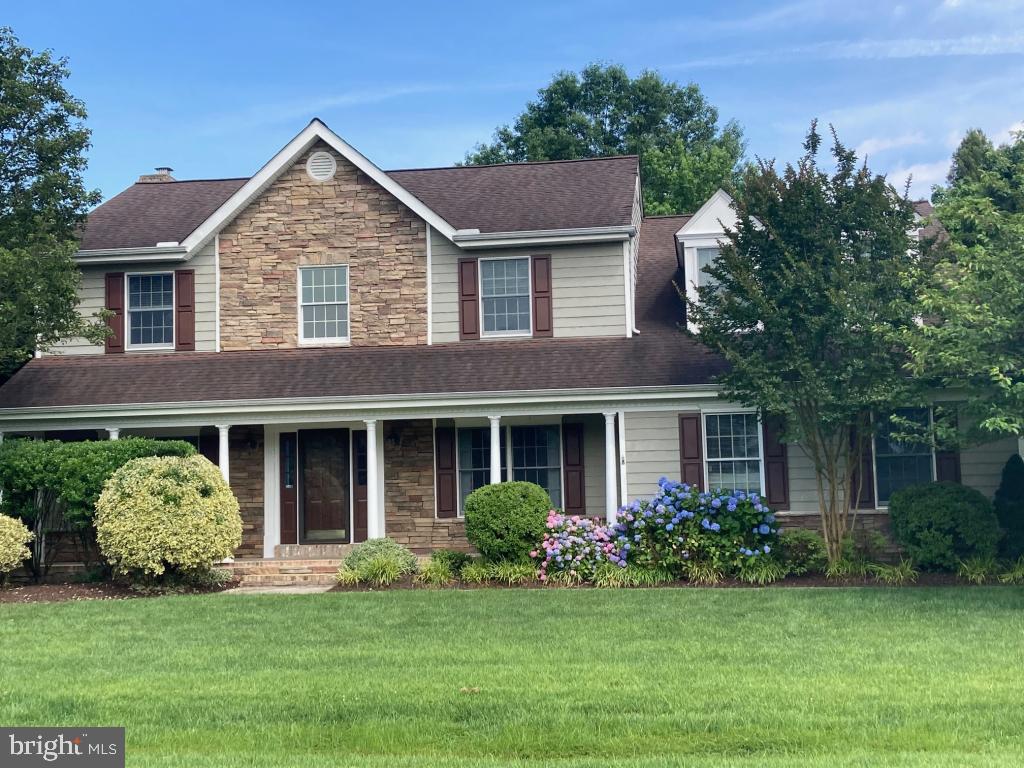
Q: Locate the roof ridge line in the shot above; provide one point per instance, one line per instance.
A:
(514, 164)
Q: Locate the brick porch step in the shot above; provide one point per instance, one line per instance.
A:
(284, 572)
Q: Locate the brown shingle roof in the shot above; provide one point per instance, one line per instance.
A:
(658, 305)
(491, 198)
(528, 196)
(146, 214)
(651, 359)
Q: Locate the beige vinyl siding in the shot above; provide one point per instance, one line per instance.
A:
(652, 450)
(587, 287)
(981, 466)
(91, 291)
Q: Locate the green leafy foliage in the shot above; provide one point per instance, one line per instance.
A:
(684, 155)
(808, 294)
(455, 559)
(802, 551)
(43, 199)
(513, 573)
(896, 575)
(505, 521)
(475, 573)
(978, 570)
(974, 295)
(1014, 574)
(762, 571)
(436, 573)
(40, 476)
(1009, 506)
(365, 561)
(940, 524)
(167, 514)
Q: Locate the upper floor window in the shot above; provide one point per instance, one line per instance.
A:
(899, 463)
(151, 310)
(705, 258)
(505, 294)
(324, 304)
(733, 451)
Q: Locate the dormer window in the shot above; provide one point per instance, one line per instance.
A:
(705, 258)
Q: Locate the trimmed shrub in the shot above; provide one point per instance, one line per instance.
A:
(506, 521)
(940, 524)
(13, 538)
(576, 546)
(802, 551)
(703, 535)
(454, 559)
(1009, 506)
(163, 514)
(362, 554)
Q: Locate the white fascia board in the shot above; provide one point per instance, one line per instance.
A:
(132, 255)
(354, 407)
(315, 131)
(470, 240)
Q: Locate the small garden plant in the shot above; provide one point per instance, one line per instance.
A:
(377, 563)
(14, 538)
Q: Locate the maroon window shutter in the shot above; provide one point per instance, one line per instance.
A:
(114, 302)
(447, 487)
(947, 466)
(572, 451)
(691, 449)
(864, 475)
(469, 300)
(542, 324)
(185, 310)
(776, 464)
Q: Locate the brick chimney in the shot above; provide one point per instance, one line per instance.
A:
(163, 173)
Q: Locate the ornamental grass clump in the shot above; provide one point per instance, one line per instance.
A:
(574, 547)
(704, 535)
(169, 515)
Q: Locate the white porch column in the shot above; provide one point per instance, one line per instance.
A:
(611, 508)
(623, 475)
(374, 509)
(495, 449)
(113, 432)
(223, 448)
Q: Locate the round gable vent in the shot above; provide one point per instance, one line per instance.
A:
(321, 166)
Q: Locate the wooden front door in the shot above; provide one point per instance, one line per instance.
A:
(289, 454)
(359, 485)
(324, 476)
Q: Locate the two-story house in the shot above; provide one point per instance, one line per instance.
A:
(358, 349)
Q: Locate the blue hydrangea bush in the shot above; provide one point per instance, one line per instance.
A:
(573, 547)
(682, 526)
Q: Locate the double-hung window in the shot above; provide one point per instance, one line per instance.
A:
(323, 294)
(899, 463)
(534, 453)
(705, 258)
(505, 297)
(151, 310)
(732, 451)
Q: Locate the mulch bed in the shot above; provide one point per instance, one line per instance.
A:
(59, 593)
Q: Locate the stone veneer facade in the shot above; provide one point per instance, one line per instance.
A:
(246, 471)
(409, 515)
(298, 221)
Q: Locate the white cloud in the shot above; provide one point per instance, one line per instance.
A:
(877, 144)
(923, 176)
(1008, 134)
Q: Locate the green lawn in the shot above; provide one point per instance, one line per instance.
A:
(738, 677)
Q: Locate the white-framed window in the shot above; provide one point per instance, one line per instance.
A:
(323, 304)
(899, 463)
(533, 451)
(150, 307)
(705, 257)
(732, 451)
(505, 297)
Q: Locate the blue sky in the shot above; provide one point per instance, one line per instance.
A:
(214, 89)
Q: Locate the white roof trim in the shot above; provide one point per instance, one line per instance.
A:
(132, 255)
(315, 131)
(689, 228)
(475, 239)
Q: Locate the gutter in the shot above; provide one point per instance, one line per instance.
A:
(474, 238)
(132, 255)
